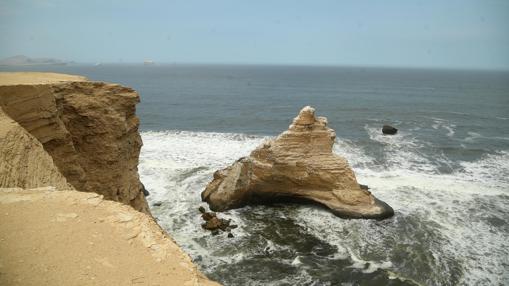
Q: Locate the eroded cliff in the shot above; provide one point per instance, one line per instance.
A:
(23, 161)
(68, 135)
(90, 129)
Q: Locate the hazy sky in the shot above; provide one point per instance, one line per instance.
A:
(428, 33)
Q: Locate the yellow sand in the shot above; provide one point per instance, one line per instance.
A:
(74, 238)
(16, 78)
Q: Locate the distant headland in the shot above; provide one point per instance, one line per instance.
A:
(21, 60)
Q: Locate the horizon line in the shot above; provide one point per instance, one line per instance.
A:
(217, 63)
(332, 65)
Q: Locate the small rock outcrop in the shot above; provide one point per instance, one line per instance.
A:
(389, 130)
(297, 165)
(214, 223)
(90, 130)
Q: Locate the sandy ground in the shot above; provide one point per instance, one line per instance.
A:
(50, 237)
(15, 78)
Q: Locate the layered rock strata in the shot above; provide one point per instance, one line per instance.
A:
(51, 234)
(90, 129)
(23, 161)
(298, 165)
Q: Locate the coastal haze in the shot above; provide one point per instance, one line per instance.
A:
(445, 172)
(217, 79)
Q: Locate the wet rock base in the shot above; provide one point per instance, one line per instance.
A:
(215, 224)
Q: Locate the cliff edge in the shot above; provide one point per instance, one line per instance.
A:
(90, 129)
(60, 134)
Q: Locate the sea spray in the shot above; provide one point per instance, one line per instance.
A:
(448, 228)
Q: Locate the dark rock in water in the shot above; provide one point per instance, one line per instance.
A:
(230, 235)
(157, 204)
(215, 224)
(224, 224)
(233, 226)
(364, 187)
(145, 192)
(208, 216)
(389, 130)
(212, 224)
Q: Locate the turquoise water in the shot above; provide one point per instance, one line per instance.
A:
(445, 173)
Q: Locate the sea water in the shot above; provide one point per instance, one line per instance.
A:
(446, 172)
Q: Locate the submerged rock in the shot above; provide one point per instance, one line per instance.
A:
(208, 216)
(145, 192)
(213, 223)
(298, 165)
(389, 130)
(364, 187)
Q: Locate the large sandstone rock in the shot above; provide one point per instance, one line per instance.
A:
(298, 165)
(90, 130)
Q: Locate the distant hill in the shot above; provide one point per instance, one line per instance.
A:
(21, 60)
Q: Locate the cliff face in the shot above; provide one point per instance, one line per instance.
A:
(298, 165)
(88, 128)
(23, 161)
(61, 132)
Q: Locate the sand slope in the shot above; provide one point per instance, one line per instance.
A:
(52, 237)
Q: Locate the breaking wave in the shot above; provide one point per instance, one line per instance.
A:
(450, 228)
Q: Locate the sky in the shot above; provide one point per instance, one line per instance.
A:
(465, 34)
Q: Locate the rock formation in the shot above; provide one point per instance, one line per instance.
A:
(23, 161)
(389, 130)
(59, 134)
(298, 165)
(89, 129)
(214, 224)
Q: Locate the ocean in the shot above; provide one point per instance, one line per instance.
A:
(446, 172)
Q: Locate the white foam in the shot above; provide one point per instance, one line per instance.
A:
(401, 151)
(445, 124)
(472, 136)
(296, 261)
(176, 166)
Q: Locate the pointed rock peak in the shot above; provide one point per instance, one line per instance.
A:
(306, 116)
(307, 121)
(297, 165)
